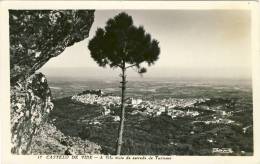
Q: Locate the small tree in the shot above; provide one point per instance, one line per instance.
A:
(122, 45)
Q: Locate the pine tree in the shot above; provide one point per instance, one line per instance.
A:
(122, 45)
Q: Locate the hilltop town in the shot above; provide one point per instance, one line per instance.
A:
(151, 108)
(179, 124)
(173, 107)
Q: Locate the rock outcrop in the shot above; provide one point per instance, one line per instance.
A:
(35, 37)
(38, 35)
(30, 106)
(50, 140)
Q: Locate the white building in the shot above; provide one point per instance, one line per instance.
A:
(136, 101)
(116, 118)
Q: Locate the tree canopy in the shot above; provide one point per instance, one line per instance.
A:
(121, 42)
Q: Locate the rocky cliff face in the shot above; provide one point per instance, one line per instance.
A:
(38, 35)
(30, 105)
(35, 37)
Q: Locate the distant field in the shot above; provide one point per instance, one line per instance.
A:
(160, 135)
(64, 87)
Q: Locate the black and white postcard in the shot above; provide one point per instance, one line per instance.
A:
(128, 81)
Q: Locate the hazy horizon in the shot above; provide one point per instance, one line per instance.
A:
(164, 72)
(194, 43)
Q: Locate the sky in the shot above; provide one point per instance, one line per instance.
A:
(195, 43)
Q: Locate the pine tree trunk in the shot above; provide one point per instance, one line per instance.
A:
(122, 118)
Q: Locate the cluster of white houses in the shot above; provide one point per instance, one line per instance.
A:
(152, 108)
(157, 107)
(108, 101)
